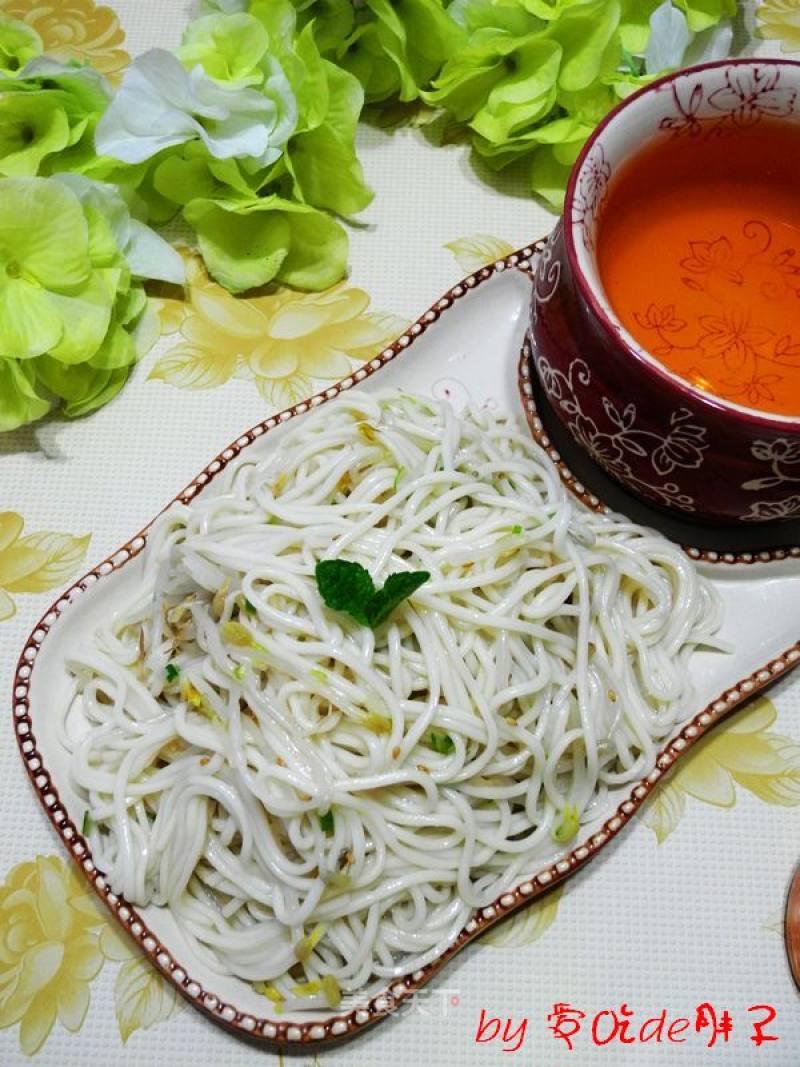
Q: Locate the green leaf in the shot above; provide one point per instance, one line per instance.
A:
(396, 589)
(345, 586)
(86, 825)
(326, 822)
(441, 743)
(172, 672)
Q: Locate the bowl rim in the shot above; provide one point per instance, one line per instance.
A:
(608, 322)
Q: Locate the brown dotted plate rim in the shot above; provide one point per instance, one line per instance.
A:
(289, 1034)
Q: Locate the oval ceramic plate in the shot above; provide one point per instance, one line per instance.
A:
(464, 348)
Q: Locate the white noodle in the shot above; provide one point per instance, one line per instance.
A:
(540, 666)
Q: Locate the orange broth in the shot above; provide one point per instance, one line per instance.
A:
(699, 254)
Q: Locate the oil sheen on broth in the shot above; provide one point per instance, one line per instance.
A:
(699, 255)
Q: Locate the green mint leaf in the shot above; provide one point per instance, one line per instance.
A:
(346, 587)
(441, 743)
(172, 670)
(326, 822)
(396, 589)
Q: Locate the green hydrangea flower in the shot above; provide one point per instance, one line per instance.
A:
(232, 49)
(258, 218)
(19, 43)
(72, 315)
(48, 116)
(528, 78)
(394, 49)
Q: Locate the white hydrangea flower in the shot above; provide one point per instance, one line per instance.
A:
(160, 104)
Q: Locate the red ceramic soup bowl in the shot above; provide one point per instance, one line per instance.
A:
(669, 442)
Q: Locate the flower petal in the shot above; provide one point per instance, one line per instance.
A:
(317, 361)
(43, 228)
(83, 957)
(275, 360)
(37, 1023)
(40, 965)
(11, 525)
(16, 563)
(73, 1003)
(7, 606)
(50, 900)
(240, 318)
(703, 778)
(29, 324)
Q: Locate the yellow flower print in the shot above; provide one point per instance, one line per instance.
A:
(528, 925)
(74, 29)
(742, 754)
(284, 340)
(780, 21)
(49, 949)
(478, 250)
(34, 563)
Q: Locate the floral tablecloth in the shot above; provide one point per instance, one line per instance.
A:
(683, 911)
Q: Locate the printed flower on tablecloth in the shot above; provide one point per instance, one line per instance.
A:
(35, 562)
(49, 949)
(74, 29)
(54, 940)
(528, 925)
(779, 20)
(478, 250)
(743, 754)
(284, 341)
